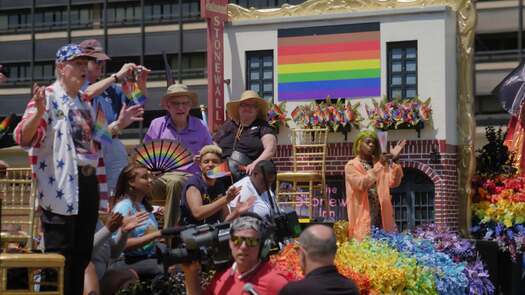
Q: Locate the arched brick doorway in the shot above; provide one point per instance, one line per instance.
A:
(414, 200)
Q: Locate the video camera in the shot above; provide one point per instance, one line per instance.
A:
(209, 243)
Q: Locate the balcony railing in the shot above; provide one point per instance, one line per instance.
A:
(497, 55)
(156, 75)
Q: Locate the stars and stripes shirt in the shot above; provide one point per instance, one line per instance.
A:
(62, 142)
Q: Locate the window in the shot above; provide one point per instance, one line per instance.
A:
(259, 72)
(413, 200)
(15, 20)
(18, 72)
(488, 104)
(402, 69)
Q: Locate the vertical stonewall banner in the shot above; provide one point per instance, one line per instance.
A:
(342, 61)
(215, 12)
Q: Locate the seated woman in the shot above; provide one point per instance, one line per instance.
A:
(133, 185)
(368, 178)
(247, 138)
(204, 199)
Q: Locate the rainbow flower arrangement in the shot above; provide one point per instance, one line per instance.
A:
(498, 207)
(428, 261)
(277, 115)
(340, 116)
(399, 113)
(499, 211)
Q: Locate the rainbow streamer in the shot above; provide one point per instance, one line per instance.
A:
(336, 61)
(100, 131)
(133, 93)
(219, 171)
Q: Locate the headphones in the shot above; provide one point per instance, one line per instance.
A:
(265, 241)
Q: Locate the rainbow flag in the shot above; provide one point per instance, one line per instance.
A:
(133, 93)
(4, 126)
(100, 130)
(342, 61)
(219, 171)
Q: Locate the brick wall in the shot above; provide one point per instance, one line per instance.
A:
(417, 155)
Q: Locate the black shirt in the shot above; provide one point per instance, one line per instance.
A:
(249, 143)
(208, 194)
(321, 281)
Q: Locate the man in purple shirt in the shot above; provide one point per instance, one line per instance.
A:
(178, 125)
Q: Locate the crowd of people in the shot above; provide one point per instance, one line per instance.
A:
(74, 169)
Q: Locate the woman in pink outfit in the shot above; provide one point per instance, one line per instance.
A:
(369, 177)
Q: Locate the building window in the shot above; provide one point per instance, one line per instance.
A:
(259, 72)
(402, 69)
(413, 200)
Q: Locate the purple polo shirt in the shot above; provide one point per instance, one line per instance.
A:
(194, 137)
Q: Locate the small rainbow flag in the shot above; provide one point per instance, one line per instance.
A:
(100, 130)
(336, 61)
(133, 93)
(219, 171)
(4, 126)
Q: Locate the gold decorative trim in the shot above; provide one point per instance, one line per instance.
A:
(466, 23)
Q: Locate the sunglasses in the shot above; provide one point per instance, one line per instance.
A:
(248, 105)
(250, 242)
(100, 62)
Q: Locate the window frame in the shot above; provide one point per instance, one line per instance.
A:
(403, 45)
(261, 54)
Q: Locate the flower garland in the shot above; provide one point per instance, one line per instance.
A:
(340, 116)
(277, 115)
(394, 114)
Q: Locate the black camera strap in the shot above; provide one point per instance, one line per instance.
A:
(273, 206)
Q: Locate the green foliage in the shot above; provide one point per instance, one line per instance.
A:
(494, 158)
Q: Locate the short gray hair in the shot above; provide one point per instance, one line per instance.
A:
(317, 248)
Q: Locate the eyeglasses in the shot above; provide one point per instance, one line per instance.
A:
(250, 242)
(248, 105)
(180, 103)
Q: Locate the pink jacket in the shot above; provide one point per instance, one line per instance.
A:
(357, 183)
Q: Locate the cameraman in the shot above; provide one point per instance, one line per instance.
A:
(258, 184)
(250, 270)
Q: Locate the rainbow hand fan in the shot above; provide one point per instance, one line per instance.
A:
(219, 171)
(163, 155)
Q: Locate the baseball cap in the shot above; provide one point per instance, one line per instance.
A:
(94, 49)
(69, 52)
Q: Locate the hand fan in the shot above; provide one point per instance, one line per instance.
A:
(163, 155)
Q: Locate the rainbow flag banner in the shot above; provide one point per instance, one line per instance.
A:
(100, 131)
(219, 171)
(133, 93)
(342, 61)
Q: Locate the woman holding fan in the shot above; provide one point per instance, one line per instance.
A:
(204, 199)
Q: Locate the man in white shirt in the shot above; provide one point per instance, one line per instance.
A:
(258, 184)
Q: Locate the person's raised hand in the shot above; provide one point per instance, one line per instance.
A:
(396, 151)
(114, 221)
(129, 115)
(39, 98)
(131, 222)
(126, 71)
(232, 193)
(142, 79)
(243, 207)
